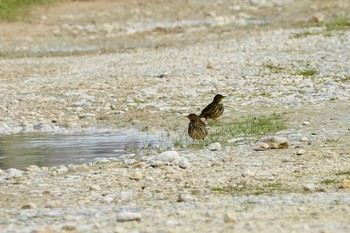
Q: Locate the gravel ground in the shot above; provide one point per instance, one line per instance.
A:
(301, 73)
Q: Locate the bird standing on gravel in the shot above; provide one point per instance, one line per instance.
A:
(214, 109)
(196, 128)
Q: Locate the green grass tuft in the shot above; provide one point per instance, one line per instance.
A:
(308, 72)
(219, 131)
(303, 34)
(257, 126)
(12, 10)
(252, 189)
(339, 24)
(329, 181)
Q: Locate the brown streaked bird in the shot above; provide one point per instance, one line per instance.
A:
(196, 128)
(214, 109)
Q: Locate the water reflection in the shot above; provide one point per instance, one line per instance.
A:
(22, 150)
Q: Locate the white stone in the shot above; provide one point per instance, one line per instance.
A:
(168, 156)
(136, 176)
(300, 152)
(13, 172)
(184, 163)
(229, 218)
(214, 146)
(309, 187)
(247, 173)
(126, 195)
(94, 188)
(304, 139)
(128, 216)
(185, 197)
(32, 168)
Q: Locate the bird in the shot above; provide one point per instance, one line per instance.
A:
(214, 109)
(196, 128)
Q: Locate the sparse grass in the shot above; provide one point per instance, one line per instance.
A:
(329, 181)
(307, 72)
(343, 173)
(339, 24)
(332, 140)
(343, 79)
(257, 126)
(249, 126)
(252, 189)
(303, 34)
(12, 10)
(274, 68)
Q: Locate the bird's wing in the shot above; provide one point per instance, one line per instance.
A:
(206, 110)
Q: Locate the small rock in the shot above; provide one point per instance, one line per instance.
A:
(128, 216)
(32, 169)
(156, 163)
(317, 18)
(306, 123)
(129, 162)
(229, 218)
(300, 152)
(227, 159)
(2, 172)
(136, 176)
(94, 188)
(304, 139)
(87, 115)
(276, 142)
(69, 228)
(13, 172)
(262, 146)
(184, 163)
(79, 168)
(309, 187)
(29, 206)
(247, 173)
(286, 159)
(126, 196)
(346, 184)
(185, 197)
(214, 146)
(169, 156)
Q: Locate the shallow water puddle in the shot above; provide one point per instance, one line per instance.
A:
(22, 150)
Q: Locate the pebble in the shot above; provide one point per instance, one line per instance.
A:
(247, 173)
(29, 206)
(126, 196)
(13, 172)
(229, 218)
(309, 187)
(69, 227)
(262, 146)
(346, 184)
(185, 197)
(286, 159)
(94, 188)
(32, 169)
(128, 216)
(300, 152)
(184, 163)
(276, 142)
(136, 176)
(214, 146)
(304, 139)
(317, 18)
(169, 156)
